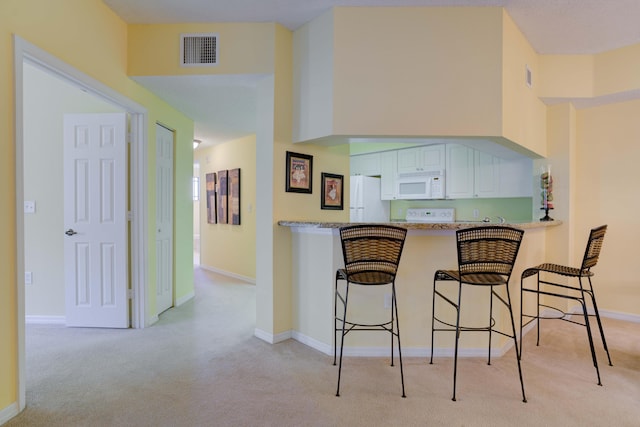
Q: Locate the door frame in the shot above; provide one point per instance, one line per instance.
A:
(27, 52)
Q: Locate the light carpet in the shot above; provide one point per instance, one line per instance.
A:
(200, 365)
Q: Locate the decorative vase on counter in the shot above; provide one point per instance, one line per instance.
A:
(546, 185)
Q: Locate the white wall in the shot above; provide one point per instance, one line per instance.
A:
(46, 100)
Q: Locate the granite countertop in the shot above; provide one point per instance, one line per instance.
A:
(422, 225)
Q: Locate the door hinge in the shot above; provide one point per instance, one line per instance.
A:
(129, 216)
(130, 293)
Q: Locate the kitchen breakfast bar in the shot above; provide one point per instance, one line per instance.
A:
(317, 254)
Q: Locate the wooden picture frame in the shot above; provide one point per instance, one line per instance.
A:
(222, 197)
(211, 198)
(234, 196)
(299, 173)
(331, 194)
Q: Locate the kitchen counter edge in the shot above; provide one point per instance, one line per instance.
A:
(421, 225)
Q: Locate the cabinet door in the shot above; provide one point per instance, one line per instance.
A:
(487, 175)
(516, 177)
(420, 159)
(365, 164)
(460, 172)
(388, 173)
(409, 160)
(431, 157)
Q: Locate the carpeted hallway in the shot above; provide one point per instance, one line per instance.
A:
(200, 365)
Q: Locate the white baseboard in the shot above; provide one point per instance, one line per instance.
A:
(46, 320)
(634, 318)
(420, 351)
(229, 274)
(9, 412)
(406, 351)
(627, 317)
(313, 343)
(185, 298)
(270, 338)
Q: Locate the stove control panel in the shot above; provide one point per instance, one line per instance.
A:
(430, 215)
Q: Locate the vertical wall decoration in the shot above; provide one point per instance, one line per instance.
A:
(234, 195)
(331, 191)
(211, 198)
(223, 197)
(299, 173)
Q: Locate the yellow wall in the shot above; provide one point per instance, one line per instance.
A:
(523, 114)
(294, 205)
(313, 78)
(606, 172)
(451, 55)
(90, 37)
(225, 247)
(588, 76)
(565, 76)
(154, 50)
(417, 71)
(617, 71)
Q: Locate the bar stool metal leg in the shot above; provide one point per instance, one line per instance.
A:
(344, 321)
(515, 343)
(455, 351)
(395, 308)
(597, 313)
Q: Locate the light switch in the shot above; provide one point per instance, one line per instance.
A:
(29, 206)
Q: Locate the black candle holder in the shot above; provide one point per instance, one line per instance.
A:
(546, 216)
(546, 184)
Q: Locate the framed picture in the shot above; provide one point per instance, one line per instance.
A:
(332, 190)
(299, 173)
(211, 198)
(222, 197)
(234, 196)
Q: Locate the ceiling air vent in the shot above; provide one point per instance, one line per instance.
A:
(198, 49)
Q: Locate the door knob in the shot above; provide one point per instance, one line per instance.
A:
(70, 232)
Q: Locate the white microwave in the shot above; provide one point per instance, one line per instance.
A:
(420, 185)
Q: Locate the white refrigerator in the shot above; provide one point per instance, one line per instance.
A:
(365, 203)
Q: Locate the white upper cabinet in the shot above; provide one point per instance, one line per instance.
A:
(486, 175)
(472, 173)
(469, 172)
(516, 177)
(422, 159)
(459, 172)
(366, 164)
(389, 171)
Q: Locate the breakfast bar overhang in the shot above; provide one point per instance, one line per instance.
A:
(317, 254)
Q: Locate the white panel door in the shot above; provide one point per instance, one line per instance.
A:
(164, 218)
(95, 220)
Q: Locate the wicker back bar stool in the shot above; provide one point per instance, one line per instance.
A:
(371, 255)
(566, 291)
(486, 256)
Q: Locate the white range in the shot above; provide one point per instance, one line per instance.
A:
(430, 215)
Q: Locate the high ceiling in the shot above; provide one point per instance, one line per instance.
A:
(551, 26)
